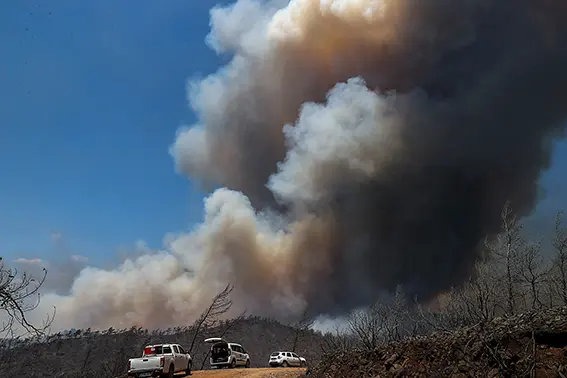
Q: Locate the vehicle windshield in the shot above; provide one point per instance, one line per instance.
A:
(275, 354)
(152, 350)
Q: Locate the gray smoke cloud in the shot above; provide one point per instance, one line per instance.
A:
(358, 145)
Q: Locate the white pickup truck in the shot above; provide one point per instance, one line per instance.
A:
(160, 360)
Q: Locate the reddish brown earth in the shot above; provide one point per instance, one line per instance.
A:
(529, 345)
(251, 373)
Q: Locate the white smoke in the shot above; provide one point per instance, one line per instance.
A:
(234, 244)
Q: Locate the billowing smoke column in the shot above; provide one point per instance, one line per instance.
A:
(360, 144)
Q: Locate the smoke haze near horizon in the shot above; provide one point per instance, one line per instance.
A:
(358, 145)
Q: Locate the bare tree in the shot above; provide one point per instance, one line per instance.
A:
(299, 328)
(532, 272)
(119, 345)
(559, 264)
(338, 341)
(228, 325)
(391, 319)
(220, 305)
(478, 301)
(398, 318)
(549, 292)
(505, 250)
(368, 325)
(19, 294)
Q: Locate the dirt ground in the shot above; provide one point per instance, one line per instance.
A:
(250, 373)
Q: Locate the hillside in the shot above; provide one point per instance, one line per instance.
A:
(105, 354)
(528, 345)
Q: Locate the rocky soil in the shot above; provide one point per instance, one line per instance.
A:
(251, 373)
(527, 345)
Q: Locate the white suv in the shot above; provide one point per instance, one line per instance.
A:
(225, 354)
(286, 359)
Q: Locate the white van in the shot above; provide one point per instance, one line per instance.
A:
(225, 354)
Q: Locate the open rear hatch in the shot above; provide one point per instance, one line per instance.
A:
(219, 349)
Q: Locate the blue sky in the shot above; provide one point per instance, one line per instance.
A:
(92, 94)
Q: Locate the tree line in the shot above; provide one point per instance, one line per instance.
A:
(515, 274)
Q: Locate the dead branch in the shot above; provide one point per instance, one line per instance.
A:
(229, 324)
(505, 253)
(220, 305)
(337, 342)
(300, 327)
(560, 258)
(368, 326)
(532, 273)
(19, 294)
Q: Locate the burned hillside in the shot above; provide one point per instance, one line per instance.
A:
(101, 354)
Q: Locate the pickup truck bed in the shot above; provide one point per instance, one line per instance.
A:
(145, 367)
(160, 360)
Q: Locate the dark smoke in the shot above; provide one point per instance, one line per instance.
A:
(481, 137)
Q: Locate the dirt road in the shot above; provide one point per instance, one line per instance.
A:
(250, 373)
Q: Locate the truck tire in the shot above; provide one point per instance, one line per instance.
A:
(188, 370)
(285, 364)
(247, 364)
(171, 371)
(233, 363)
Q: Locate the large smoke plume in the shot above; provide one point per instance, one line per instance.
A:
(360, 145)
